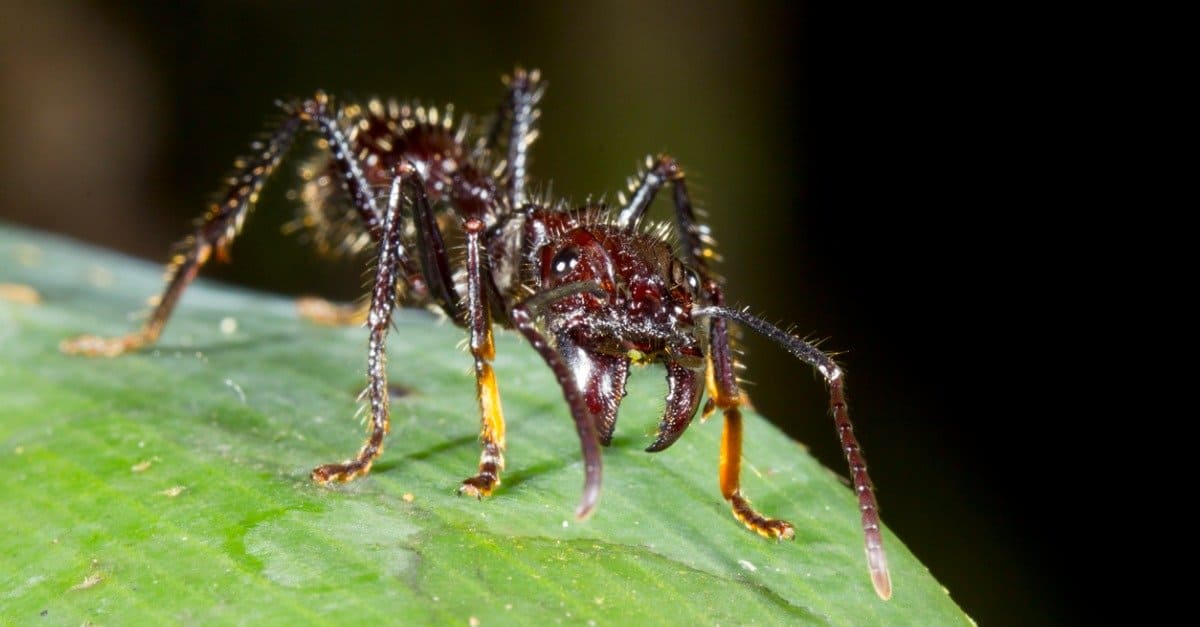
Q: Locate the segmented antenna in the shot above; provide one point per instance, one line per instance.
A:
(876, 558)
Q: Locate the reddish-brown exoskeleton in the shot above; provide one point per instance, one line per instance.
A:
(592, 289)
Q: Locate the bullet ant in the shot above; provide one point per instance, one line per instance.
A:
(592, 288)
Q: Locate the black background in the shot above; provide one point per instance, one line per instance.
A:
(868, 169)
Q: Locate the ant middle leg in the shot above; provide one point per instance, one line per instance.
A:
(525, 89)
(483, 349)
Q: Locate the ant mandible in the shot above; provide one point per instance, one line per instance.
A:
(592, 289)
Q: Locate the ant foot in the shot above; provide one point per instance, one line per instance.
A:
(341, 473)
(96, 346)
(763, 526)
(326, 313)
(479, 486)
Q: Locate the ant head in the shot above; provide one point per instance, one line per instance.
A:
(634, 298)
(613, 299)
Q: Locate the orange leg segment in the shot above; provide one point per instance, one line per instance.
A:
(724, 394)
(483, 349)
(730, 477)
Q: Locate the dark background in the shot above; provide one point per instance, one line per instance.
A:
(863, 166)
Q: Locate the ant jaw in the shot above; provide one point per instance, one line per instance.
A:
(600, 373)
(684, 388)
(600, 378)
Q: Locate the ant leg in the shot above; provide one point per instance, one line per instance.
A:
(391, 264)
(525, 89)
(215, 233)
(698, 248)
(658, 173)
(722, 380)
(383, 299)
(316, 111)
(431, 246)
(698, 245)
(835, 378)
(479, 319)
(724, 394)
(350, 171)
(224, 219)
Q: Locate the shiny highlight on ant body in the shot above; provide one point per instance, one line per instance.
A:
(593, 289)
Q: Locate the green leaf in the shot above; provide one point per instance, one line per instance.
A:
(172, 485)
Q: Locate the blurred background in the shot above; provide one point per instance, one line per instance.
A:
(857, 162)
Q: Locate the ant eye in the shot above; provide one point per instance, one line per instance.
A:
(564, 261)
(683, 275)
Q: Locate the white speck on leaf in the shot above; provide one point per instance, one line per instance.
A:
(236, 388)
(100, 277)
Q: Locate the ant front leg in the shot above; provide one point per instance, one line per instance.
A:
(723, 391)
(379, 318)
(483, 349)
(698, 248)
(724, 394)
(731, 443)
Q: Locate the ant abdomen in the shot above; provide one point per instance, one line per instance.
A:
(383, 136)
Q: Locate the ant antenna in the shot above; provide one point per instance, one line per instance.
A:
(876, 559)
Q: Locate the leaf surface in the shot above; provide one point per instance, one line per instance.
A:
(171, 485)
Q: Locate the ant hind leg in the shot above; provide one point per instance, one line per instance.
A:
(215, 233)
(224, 219)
